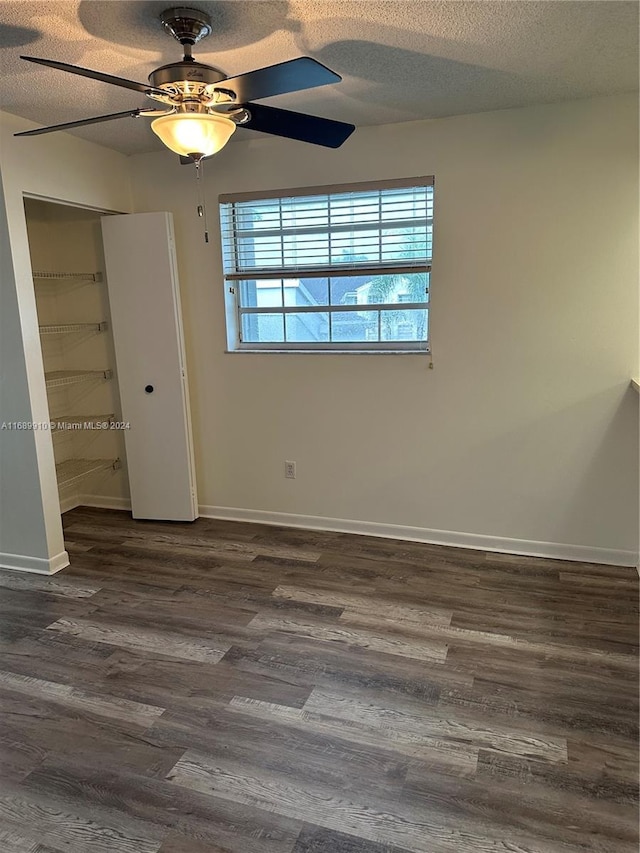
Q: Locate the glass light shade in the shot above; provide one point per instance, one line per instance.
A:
(194, 133)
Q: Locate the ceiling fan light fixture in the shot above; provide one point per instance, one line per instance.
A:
(190, 134)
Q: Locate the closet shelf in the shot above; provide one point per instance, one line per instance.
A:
(67, 276)
(57, 378)
(75, 422)
(66, 328)
(72, 470)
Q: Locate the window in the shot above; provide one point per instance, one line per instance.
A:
(329, 268)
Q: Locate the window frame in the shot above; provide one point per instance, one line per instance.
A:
(235, 311)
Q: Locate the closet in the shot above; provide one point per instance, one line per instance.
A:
(78, 354)
(118, 395)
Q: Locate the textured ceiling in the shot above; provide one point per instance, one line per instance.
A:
(400, 61)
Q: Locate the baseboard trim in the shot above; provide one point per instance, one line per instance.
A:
(104, 502)
(69, 503)
(473, 541)
(37, 565)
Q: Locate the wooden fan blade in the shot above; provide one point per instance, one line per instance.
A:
(145, 88)
(306, 128)
(69, 124)
(291, 76)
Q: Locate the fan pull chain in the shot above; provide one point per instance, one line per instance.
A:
(202, 205)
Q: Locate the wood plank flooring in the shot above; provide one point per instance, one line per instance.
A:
(220, 687)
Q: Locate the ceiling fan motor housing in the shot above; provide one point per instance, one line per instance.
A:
(187, 78)
(178, 72)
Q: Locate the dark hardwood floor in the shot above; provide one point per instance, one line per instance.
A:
(220, 687)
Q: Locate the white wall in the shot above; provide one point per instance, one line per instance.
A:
(526, 428)
(19, 481)
(61, 167)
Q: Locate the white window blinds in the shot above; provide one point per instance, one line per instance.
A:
(328, 267)
(378, 226)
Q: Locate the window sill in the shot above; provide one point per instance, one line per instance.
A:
(327, 352)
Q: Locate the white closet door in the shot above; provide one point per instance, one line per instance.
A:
(144, 297)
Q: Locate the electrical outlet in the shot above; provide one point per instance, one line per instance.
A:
(290, 470)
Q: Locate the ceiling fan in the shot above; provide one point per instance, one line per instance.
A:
(203, 106)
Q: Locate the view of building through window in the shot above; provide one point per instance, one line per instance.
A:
(367, 324)
(325, 271)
